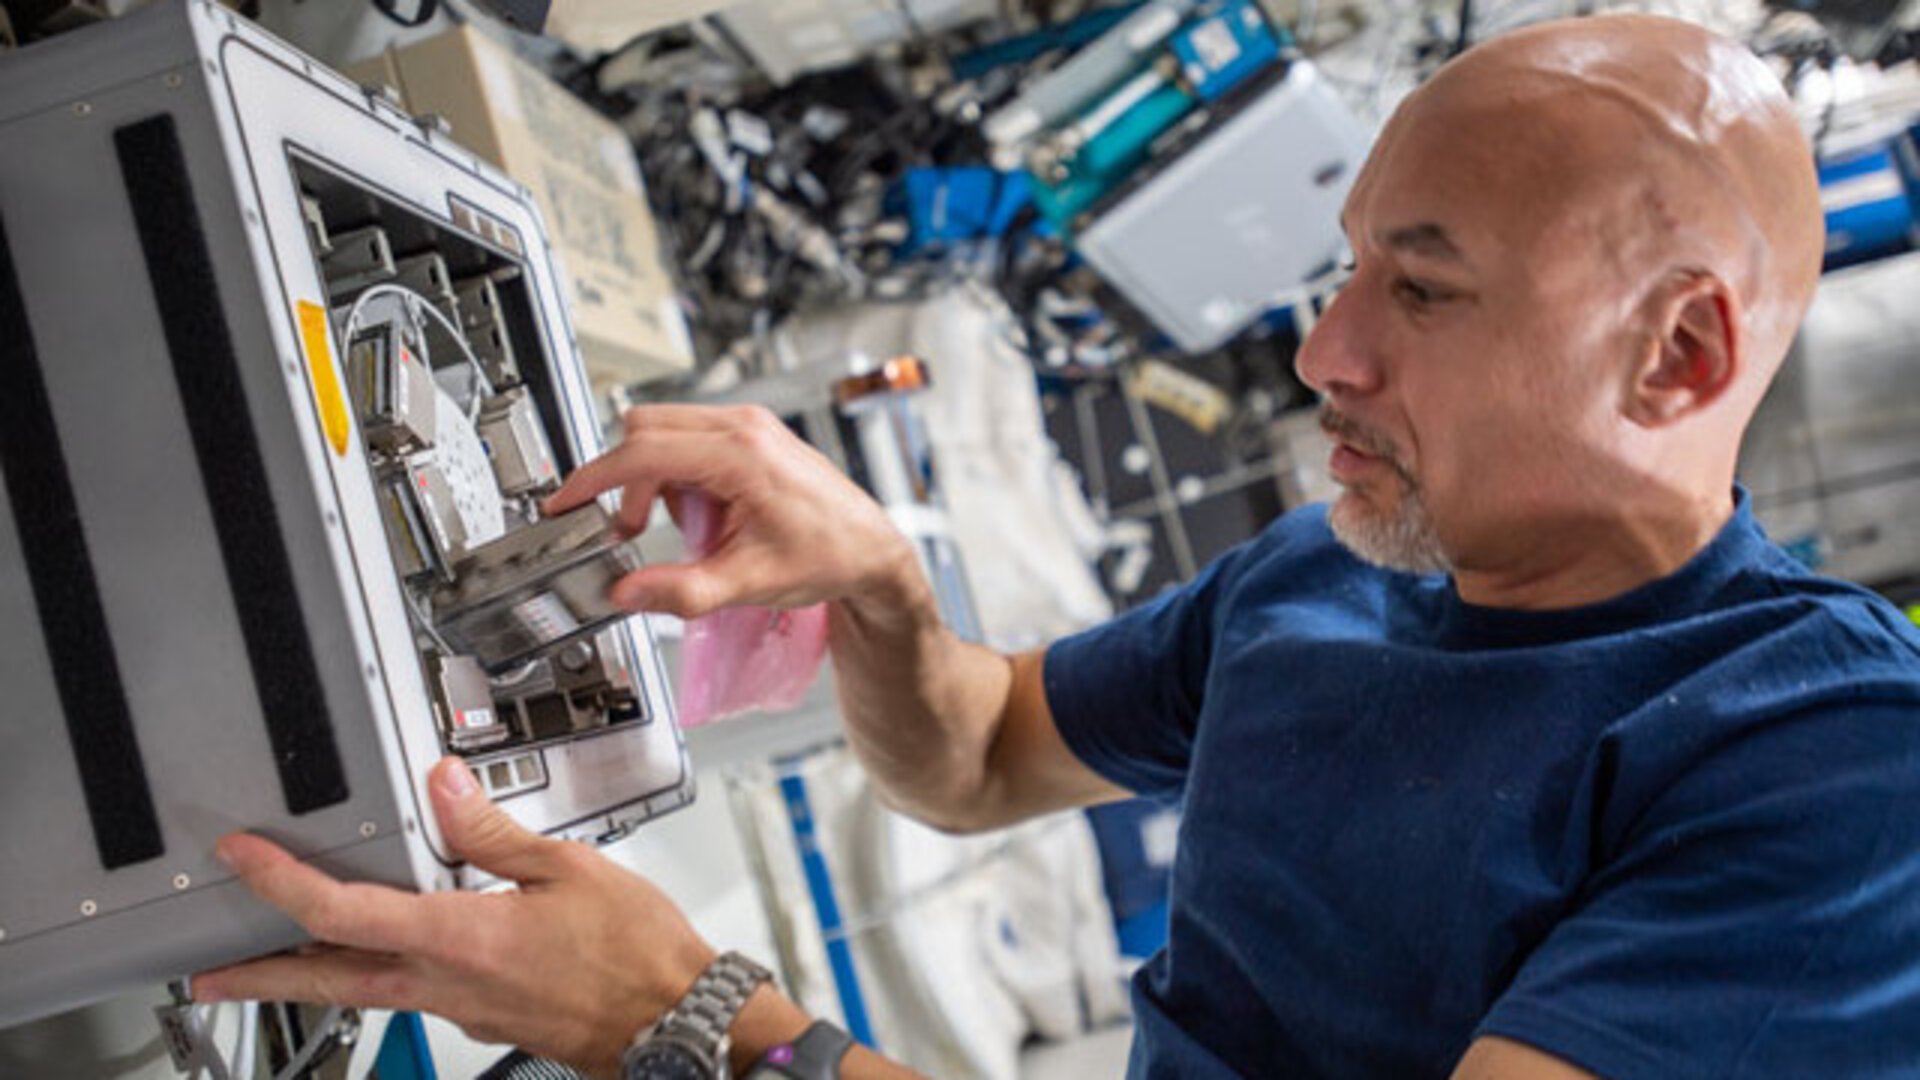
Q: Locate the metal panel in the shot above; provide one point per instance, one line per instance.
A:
(70, 931)
(66, 594)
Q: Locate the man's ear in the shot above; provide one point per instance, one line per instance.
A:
(1696, 351)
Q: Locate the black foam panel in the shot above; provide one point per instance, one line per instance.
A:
(252, 545)
(66, 595)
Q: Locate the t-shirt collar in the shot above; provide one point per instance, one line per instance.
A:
(1679, 594)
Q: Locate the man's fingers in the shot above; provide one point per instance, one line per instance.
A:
(618, 467)
(600, 474)
(676, 500)
(482, 833)
(686, 589)
(333, 977)
(364, 916)
(652, 458)
(676, 417)
(636, 506)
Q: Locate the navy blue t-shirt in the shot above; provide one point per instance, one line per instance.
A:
(1673, 834)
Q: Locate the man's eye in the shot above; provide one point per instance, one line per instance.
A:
(1413, 292)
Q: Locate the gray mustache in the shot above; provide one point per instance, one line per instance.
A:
(1350, 431)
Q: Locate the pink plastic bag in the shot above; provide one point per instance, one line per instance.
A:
(741, 659)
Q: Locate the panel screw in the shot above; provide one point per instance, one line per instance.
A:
(368, 828)
(576, 657)
(81, 108)
(174, 81)
(181, 881)
(89, 908)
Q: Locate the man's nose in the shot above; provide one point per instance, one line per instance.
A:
(1339, 357)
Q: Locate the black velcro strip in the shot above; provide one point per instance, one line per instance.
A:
(66, 594)
(252, 545)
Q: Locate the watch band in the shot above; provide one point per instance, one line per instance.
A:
(815, 1055)
(702, 1017)
(717, 996)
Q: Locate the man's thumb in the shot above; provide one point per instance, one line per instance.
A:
(482, 833)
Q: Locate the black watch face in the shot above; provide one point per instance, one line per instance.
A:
(665, 1061)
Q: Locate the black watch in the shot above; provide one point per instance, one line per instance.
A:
(815, 1055)
(690, 1042)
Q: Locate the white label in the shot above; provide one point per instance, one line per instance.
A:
(1215, 44)
(463, 461)
(545, 617)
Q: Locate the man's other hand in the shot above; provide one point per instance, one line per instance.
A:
(569, 965)
(793, 530)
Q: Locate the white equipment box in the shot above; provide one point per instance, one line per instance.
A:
(286, 375)
(1211, 240)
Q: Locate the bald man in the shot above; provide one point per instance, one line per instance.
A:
(1530, 758)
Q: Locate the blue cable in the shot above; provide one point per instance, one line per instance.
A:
(846, 981)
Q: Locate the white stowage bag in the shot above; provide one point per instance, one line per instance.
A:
(1022, 524)
(966, 947)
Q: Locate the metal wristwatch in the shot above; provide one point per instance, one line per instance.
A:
(690, 1042)
(815, 1055)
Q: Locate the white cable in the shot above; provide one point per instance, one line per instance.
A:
(483, 386)
(426, 622)
(515, 677)
(206, 1059)
(322, 1036)
(244, 1065)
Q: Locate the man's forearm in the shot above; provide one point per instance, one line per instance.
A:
(922, 707)
(771, 1018)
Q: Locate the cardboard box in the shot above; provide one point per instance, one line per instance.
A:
(597, 26)
(583, 175)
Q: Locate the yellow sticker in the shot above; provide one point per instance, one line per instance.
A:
(326, 382)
